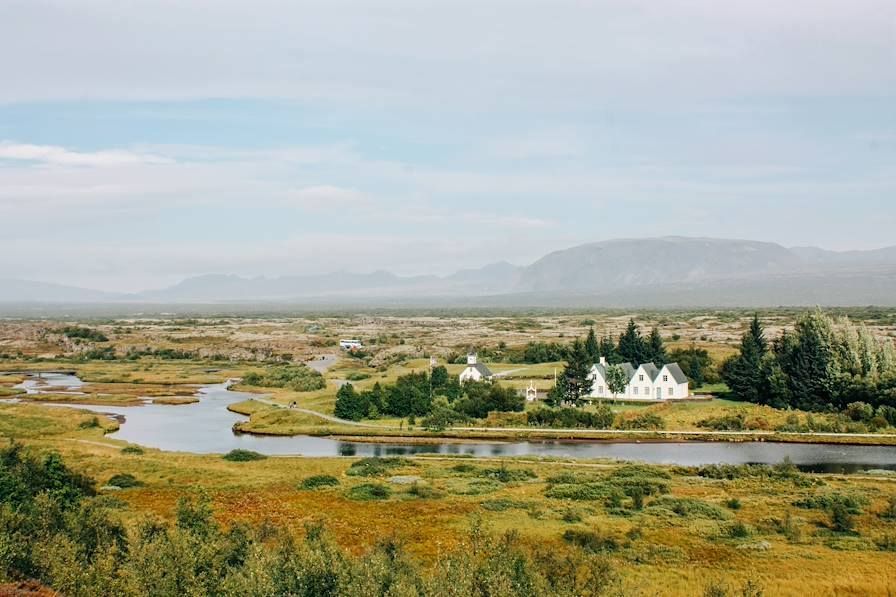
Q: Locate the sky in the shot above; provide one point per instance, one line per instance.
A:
(145, 142)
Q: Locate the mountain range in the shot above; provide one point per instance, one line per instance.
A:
(647, 272)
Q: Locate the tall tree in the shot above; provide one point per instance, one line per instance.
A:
(608, 350)
(576, 381)
(592, 348)
(349, 404)
(632, 347)
(656, 350)
(746, 373)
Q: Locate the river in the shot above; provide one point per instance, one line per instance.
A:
(205, 427)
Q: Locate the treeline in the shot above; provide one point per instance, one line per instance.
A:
(438, 397)
(54, 530)
(822, 365)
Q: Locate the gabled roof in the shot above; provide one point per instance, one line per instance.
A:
(482, 369)
(651, 370)
(676, 373)
(626, 367)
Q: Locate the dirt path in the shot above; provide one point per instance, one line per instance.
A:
(323, 364)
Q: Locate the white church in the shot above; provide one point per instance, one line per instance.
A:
(647, 382)
(475, 371)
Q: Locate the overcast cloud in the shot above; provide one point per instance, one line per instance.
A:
(144, 142)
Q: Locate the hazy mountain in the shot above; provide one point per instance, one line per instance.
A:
(651, 272)
(14, 290)
(618, 264)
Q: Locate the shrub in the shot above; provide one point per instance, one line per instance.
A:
(91, 423)
(84, 334)
(506, 475)
(368, 492)
(733, 504)
(374, 467)
(571, 515)
(463, 468)
(841, 518)
(737, 530)
(590, 541)
(124, 480)
(318, 482)
(567, 418)
(825, 501)
(736, 422)
(243, 456)
(889, 512)
(299, 378)
(135, 450)
(689, 508)
(648, 421)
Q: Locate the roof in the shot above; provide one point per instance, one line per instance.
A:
(676, 373)
(651, 370)
(626, 367)
(482, 369)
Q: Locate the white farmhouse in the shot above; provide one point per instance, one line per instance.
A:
(474, 371)
(647, 382)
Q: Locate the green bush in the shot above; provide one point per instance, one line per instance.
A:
(134, 450)
(590, 541)
(375, 466)
(318, 482)
(124, 480)
(299, 378)
(84, 334)
(368, 492)
(825, 501)
(506, 475)
(243, 456)
(689, 508)
(648, 421)
(737, 530)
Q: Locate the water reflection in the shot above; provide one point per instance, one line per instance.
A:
(206, 427)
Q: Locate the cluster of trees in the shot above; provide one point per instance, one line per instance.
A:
(55, 530)
(299, 378)
(822, 365)
(573, 385)
(438, 396)
(76, 332)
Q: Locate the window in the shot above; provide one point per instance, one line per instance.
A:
(646, 391)
(640, 378)
(671, 391)
(635, 390)
(665, 378)
(600, 389)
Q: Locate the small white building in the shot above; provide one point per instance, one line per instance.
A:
(350, 344)
(647, 382)
(531, 392)
(475, 371)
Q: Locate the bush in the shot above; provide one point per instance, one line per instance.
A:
(91, 423)
(841, 517)
(84, 334)
(243, 456)
(319, 482)
(124, 480)
(648, 421)
(506, 475)
(569, 418)
(724, 423)
(369, 492)
(590, 541)
(733, 504)
(374, 467)
(889, 512)
(135, 450)
(826, 501)
(737, 530)
(690, 508)
(299, 378)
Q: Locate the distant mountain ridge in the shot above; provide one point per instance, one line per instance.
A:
(670, 271)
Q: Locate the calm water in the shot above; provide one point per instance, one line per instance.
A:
(205, 427)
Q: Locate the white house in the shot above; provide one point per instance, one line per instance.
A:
(647, 382)
(475, 371)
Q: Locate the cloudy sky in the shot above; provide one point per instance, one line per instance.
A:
(142, 142)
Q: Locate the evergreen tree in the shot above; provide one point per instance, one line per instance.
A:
(632, 347)
(349, 404)
(592, 348)
(607, 349)
(656, 350)
(576, 382)
(746, 374)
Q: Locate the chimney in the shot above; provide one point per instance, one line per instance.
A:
(603, 361)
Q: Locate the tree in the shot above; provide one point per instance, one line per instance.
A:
(695, 363)
(656, 352)
(616, 379)
(746, 373)
(592, 348)
(576, 375)
(632, 347)
(350, 405)
(607, 349)
(557, 393)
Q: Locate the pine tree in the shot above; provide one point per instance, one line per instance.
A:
(349, 404)
(656, 350)
(746, 374)
(576, 382)
(607, 349)
(632, 347)
(592, 348)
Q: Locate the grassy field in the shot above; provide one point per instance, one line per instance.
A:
(689, 528)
